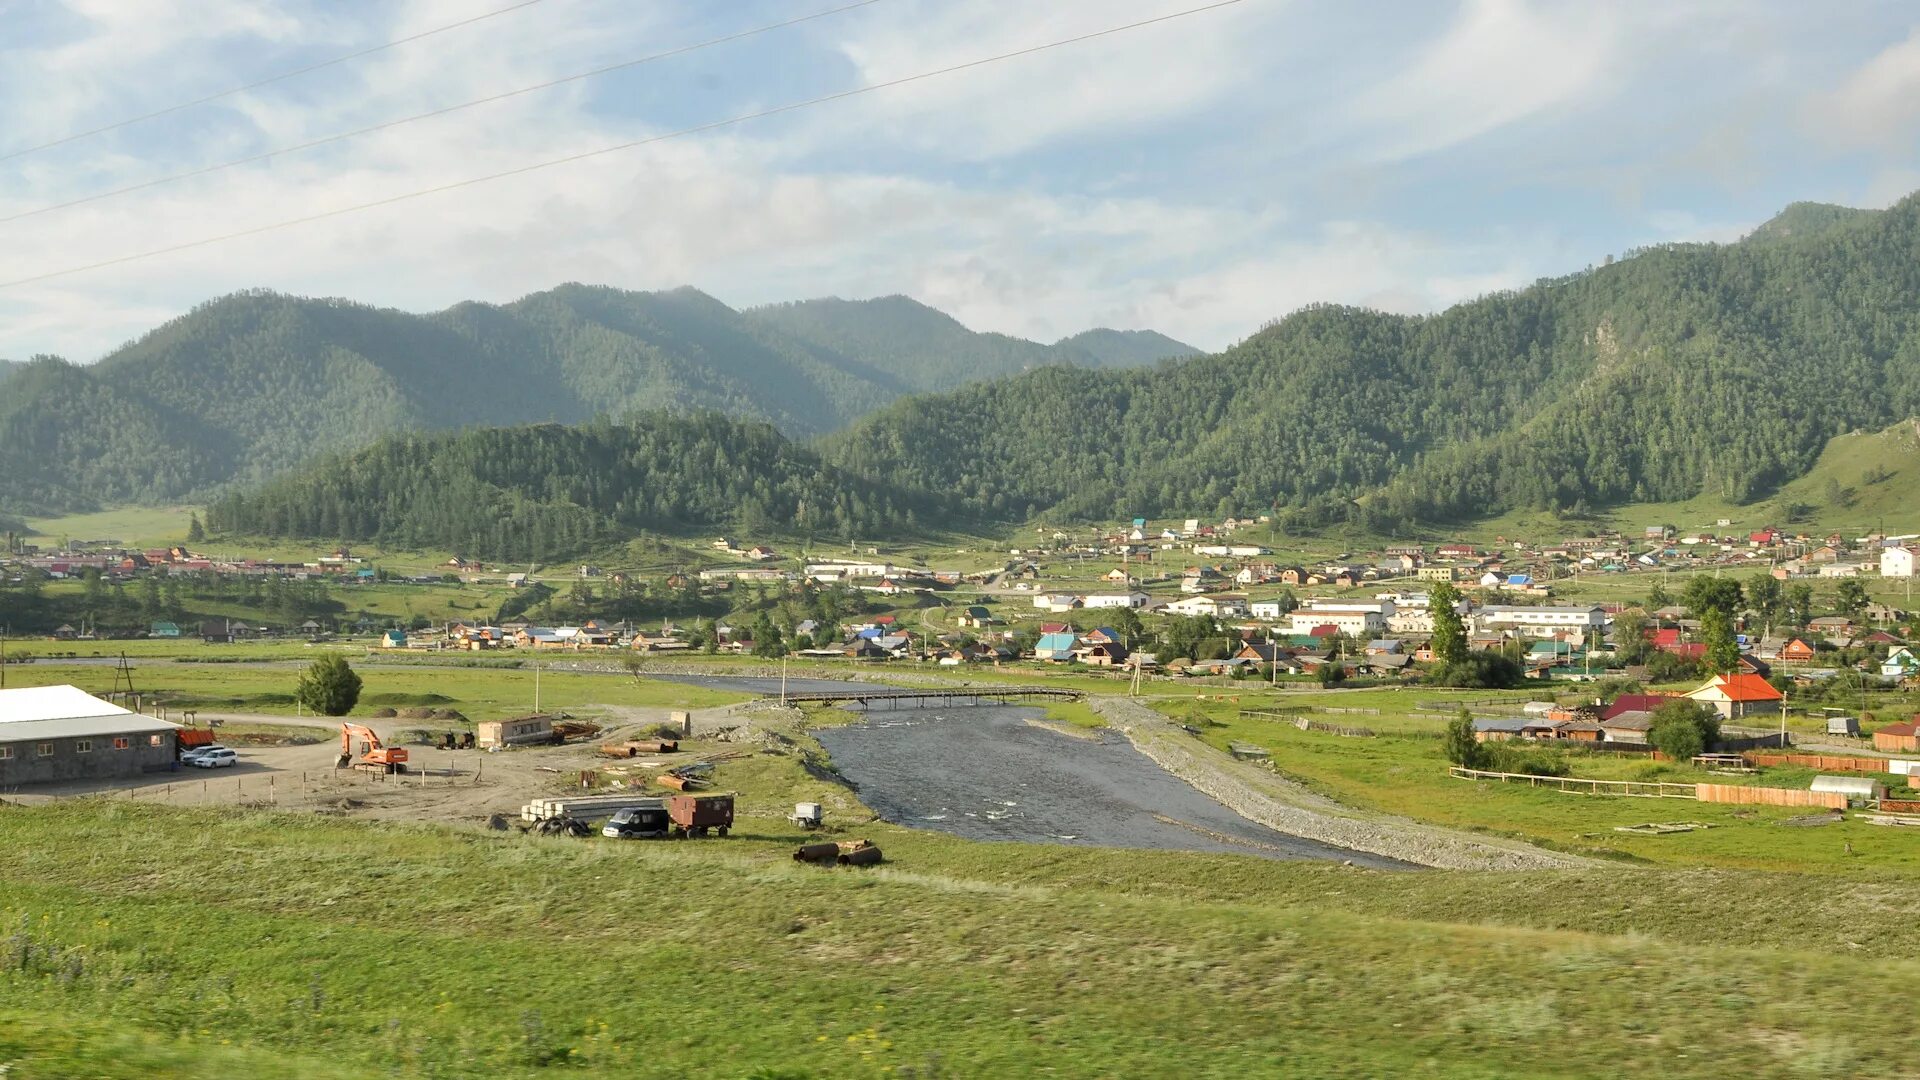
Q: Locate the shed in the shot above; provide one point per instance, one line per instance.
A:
(1496, 728)
(519, 731)
(1857, 789)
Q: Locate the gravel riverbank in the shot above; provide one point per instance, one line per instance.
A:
(1258, 795)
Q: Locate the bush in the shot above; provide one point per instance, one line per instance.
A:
(1462, 748)
(1683, 729)
(1532, 761)
(1481, 670)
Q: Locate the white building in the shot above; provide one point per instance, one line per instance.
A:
(1355, 618)
(1056, 602)
(1115, 600)
(1896, 562)
(1541, 621)
(1220, 607)
(1267, 609)
(1241, 551)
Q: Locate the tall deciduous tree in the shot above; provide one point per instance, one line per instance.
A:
(1449, 631)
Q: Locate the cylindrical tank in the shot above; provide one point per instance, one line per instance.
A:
(865, 856)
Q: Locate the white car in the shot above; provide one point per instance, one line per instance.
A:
(215, 758)
(187, 756)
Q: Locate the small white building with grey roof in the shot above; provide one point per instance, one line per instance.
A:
(50, 734)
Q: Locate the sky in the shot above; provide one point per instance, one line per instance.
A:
(1199, 176)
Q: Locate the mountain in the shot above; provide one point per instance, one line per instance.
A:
(1804, 219)
(539, 491)
(931, 350)
(1677, 370)
(1124, 348)
(249, 386)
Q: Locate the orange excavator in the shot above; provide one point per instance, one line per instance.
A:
(374, 756)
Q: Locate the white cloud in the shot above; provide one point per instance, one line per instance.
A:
(1113, 84)
(1502, 61)
(1878, 106)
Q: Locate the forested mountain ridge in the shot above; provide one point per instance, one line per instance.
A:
(541, 491)
(249, 386)
(1679, 369)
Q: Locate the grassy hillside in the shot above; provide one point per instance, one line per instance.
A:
(329, 949)
(247, 386)
(1680, 371)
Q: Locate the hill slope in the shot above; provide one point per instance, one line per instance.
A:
(545, 490)
(1679, 370)
(248, 386)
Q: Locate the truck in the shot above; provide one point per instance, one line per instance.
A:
(693, 815)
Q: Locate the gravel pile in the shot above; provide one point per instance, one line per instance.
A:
(1279, 804)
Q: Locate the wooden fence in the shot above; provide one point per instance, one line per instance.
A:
(1639, 789)
(1822, 762)
(1770, 796)
(1715, 793)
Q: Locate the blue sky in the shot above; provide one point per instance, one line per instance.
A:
(1198, 177)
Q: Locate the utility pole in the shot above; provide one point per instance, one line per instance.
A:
(783, 682)
(536, 686)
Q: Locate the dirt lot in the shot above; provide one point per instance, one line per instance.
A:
(459, 786)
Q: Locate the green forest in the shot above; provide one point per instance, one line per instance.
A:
(1674, 371)
(250, 386)
(543, 491)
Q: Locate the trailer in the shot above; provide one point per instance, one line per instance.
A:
(694, 815)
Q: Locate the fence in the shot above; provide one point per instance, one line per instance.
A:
(1823, 762)
(1714, 793)
(1639, 789)
(1770, 796)
(311, 789)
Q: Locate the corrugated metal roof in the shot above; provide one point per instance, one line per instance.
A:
(51, 703)
(67, 712)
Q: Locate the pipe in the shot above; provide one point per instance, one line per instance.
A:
(818, 853)
(865, 856)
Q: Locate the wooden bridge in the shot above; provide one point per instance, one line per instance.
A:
(868, 697)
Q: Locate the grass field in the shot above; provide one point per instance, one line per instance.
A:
(477, 693)
(146, 941)
(1402, 770)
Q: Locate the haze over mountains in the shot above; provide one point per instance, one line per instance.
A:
(1678, 370)
(251, 385)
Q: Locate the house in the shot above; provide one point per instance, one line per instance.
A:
(1056, 646)
(1135, 600)
(164, 630)
(1626, 703)
(1220, 607)
(1105, 654)
(1738, 695)
(1628, 726)
(1118, 575)
(60, 733)
(1900, 664)
(1896, 562)
(1796, 651)
(1497, 728)
(1903, 737)
(976, 617)
(1056, 602)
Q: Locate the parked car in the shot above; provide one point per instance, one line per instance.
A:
(217, 758)
(187, 755)
(645, 819)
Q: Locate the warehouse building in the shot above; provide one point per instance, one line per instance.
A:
(60, 733)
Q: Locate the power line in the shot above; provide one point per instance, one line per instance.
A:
(569, 159)
(488, 100)
(268, 81)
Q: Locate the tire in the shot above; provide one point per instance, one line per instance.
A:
(723, 830)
